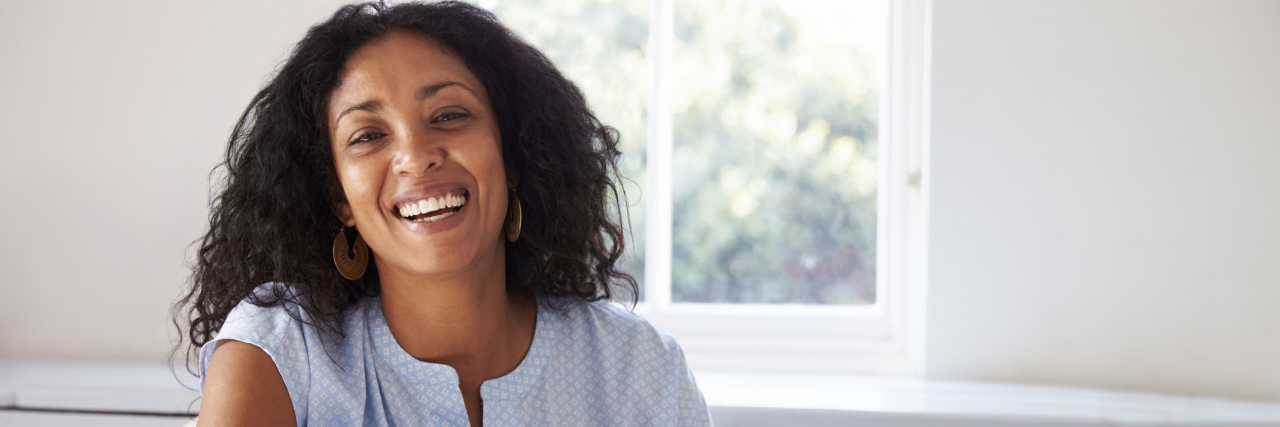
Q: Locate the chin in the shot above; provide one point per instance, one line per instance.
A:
(443, 262)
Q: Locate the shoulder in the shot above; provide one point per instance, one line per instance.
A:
(605, 349)
(616, 338)
(265, 333)
(611, 322)
(254, 321)
(272, 320)
(269, 319)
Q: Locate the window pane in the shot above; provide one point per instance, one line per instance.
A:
(600, 45)
(775, 144)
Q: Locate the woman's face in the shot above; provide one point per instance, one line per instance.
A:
(417, 150)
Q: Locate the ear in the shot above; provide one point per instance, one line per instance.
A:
(512, 180)
(342, 208)
(343, 211)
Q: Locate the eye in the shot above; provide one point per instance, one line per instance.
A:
(367, 137)
(449, 116)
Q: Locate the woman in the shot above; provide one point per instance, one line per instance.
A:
(430, 140)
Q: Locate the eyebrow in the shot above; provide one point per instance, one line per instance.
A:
(429, 91)
(422, 93)
(369, 106)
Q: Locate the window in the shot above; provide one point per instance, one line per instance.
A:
(774, 156)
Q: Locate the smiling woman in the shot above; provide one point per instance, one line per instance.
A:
(429, 139)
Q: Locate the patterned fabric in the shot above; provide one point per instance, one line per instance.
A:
(596, 364)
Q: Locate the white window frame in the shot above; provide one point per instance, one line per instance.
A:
(885, 338)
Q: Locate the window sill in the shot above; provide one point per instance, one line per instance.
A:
(741, 399)
(39, 390)
(132, 388)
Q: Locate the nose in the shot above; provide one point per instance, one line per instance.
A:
(416, 154)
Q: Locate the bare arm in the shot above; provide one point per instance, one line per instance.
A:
(242, 387)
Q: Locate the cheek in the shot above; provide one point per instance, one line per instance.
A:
(484, 162)
(360, 183)
(495, 176)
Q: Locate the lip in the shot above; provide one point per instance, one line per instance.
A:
(432, 191)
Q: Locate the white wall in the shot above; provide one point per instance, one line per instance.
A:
(1105, 206)
(112, 114)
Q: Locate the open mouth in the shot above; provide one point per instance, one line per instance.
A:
(435, 208)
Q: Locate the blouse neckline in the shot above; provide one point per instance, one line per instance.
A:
(426, 374)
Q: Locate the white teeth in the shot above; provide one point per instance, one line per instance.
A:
(436, 218)
(432, 204)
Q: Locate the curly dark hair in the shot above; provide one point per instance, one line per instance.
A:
(273, 220)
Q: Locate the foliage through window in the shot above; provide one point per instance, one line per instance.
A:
(775, 136)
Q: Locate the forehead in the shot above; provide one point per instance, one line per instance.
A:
(397, 65)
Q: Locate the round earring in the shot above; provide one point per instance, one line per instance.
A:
(514, 218)
(351, 267)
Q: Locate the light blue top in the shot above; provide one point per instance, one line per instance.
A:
(595, 364)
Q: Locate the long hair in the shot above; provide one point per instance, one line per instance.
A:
(272, 220)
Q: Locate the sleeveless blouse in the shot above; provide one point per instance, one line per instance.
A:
(594, 364)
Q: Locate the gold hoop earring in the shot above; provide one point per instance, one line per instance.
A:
(351, 267)
(514, 218)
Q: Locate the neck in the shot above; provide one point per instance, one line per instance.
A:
(466, 320)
